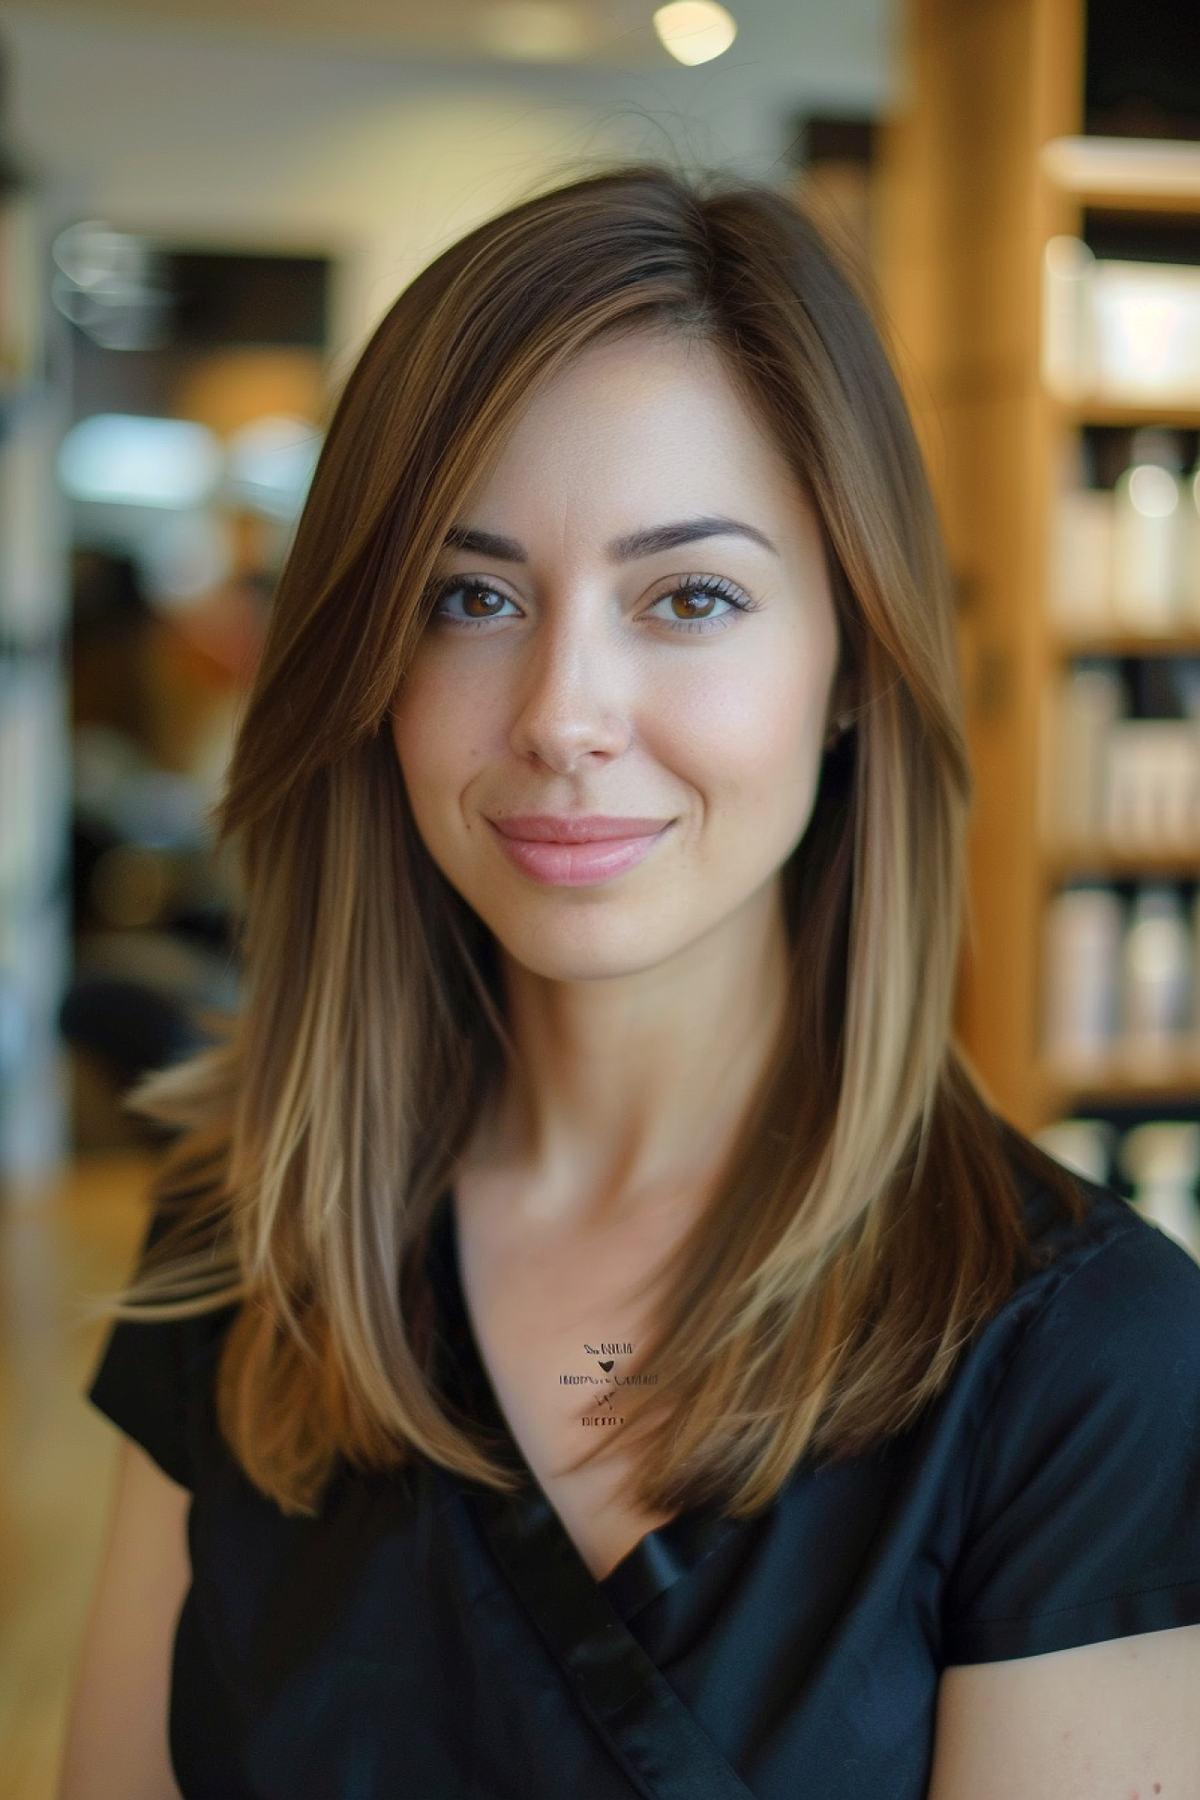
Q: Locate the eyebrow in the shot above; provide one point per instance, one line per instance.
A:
(622, 549)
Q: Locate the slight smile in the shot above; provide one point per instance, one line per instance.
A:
(585, 860)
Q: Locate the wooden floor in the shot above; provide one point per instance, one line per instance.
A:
(58, 1244)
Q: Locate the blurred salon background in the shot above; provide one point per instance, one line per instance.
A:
(205, 208)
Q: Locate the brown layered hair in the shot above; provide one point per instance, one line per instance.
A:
(865, 1221)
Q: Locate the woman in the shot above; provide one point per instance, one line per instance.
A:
(624, 1353)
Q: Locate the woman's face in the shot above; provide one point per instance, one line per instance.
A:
(573, 675)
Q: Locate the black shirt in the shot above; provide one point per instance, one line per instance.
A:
(426, 1639)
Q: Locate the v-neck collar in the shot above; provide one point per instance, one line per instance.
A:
(528, 1517)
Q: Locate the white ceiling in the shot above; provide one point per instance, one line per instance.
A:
(847, 40)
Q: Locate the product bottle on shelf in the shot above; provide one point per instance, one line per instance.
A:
(1156, 973)
(1091, 702)
(1081, 957)
(1067, 350)
(1079, 574)
(1147, 534)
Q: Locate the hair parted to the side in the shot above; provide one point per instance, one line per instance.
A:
(866, 1222)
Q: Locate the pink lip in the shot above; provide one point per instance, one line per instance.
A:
(582, 863)
(575, 828)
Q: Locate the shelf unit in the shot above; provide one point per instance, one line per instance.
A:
(983, 164)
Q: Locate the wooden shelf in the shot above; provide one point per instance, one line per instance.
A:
(1130, 414)
(1125, 174)
(1186, 642)
(1122, 1081)
(1067, 862)
(981, 169)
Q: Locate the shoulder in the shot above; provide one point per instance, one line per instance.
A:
(1072, 1601)
(1113, 1325)
(1043, 1183)
(1108, 1323)
(1079, 1486)
(1097, 1254)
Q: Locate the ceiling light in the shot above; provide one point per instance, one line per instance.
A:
(694, 31)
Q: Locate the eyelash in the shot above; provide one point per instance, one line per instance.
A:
(714, 585)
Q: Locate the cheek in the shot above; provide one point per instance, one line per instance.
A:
(751, 742)
(440, 733)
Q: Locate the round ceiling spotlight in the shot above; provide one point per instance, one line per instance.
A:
(694, 31)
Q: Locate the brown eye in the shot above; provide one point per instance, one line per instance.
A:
(699, 593)
(479, 593)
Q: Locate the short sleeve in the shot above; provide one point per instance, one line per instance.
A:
(142, 1379)
(1082, 1518)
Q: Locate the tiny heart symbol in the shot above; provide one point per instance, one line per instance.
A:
(608, 1365)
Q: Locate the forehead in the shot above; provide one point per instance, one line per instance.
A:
(636, 429)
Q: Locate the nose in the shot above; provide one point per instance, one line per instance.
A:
(574, 694)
